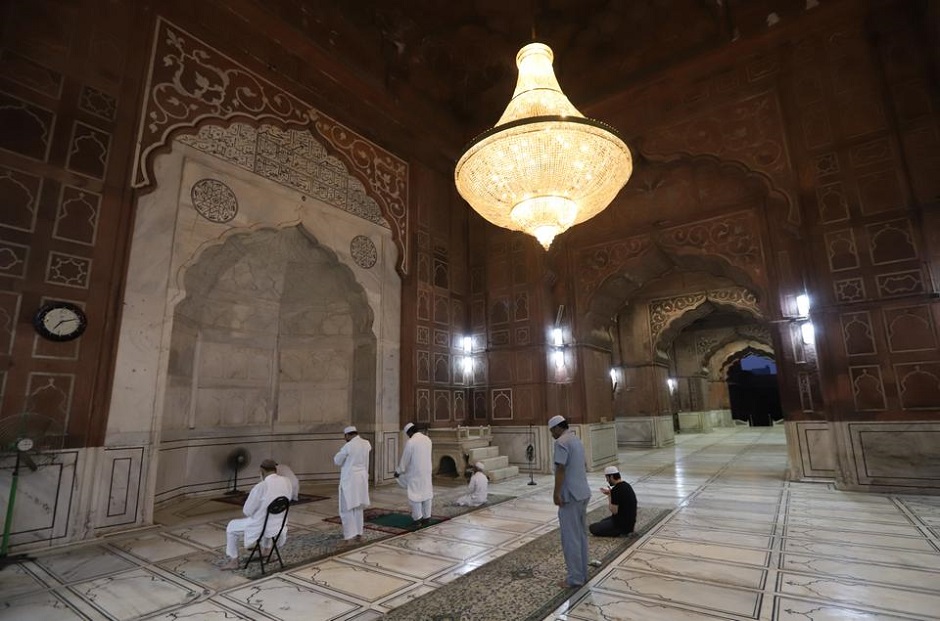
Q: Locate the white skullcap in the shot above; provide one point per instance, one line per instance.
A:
(479, 465)
(555, 420)
(611, 470)
(350, 429)
(408, 426)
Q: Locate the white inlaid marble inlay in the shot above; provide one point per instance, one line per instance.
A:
(458, 530)
(714, 536)
(356, 581)
(861, 539)
(788, 609)
(155, 548)
(706, 551)
(672, 590)
(203, 569)
(290, 601)
(208, 535)
(399, 561)
(16, 580)
(438, 546)
(865, 595)
(911, 578)
(707, 571)
(44, 606)
(404, 598)
(905, 558)
(136, 593)
(604, 606)
(84, 563)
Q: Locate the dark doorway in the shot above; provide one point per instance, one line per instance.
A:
(753, 391)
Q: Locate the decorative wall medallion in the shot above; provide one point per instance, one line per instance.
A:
(190, 82)
(857, 334)
(910, 328)
(214, 200)
(363, 251)
(849, 290)
(900, 283)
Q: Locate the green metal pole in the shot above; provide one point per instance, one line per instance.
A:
(8, 523)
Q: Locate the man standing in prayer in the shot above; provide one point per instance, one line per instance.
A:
(571, 496)
(414, 473)
(477, 490)
(622, 518)
(271, 487)
(353, 460)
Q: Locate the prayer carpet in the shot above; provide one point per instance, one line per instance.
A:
(521, 585)
(303, 548)
(398, 522)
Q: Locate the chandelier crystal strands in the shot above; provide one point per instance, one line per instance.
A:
(544, 167)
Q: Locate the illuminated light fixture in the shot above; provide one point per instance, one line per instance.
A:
(467, 364)
(467, 344)
(556, 337)
(544, 167)
(672, 384)
(559, 358)
(802, 305)
(808, 333)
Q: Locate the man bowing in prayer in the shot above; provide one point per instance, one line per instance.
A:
(414, 473)
(477, 490)
(271, 487)
(353, 460)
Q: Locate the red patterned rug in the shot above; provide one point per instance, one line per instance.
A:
(240, 498)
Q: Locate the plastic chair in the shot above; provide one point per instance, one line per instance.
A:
(278, 506)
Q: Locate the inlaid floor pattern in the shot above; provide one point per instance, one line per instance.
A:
(740, 543)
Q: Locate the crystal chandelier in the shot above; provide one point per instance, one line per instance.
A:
(543, 167)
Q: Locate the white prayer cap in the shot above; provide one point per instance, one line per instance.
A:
(479, 465)
(611, 470)
(408, 427)
(555, 420)
(350, 429)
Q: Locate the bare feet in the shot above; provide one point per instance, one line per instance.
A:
(231, 564)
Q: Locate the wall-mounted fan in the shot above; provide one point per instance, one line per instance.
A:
(236, 460)
(29, 440)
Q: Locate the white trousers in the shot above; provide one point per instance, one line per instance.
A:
(352, 522)
(420, 510)
(233, 532)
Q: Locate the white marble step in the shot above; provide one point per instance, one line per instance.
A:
(482, 454)
(494, 463)
(500, 474)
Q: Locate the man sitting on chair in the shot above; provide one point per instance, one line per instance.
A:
(271, 486)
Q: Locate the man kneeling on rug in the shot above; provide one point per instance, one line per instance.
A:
(622, 518)
(271, 487)
(477, 490)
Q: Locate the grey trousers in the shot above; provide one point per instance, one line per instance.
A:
(572, 524)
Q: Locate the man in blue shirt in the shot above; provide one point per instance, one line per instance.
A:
(571, 496)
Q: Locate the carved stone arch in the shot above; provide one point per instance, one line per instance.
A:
(233, 241)
(190, 85)
(725, 356)
(778, 201)
(670, 316)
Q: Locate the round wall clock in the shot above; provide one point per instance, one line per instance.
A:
(60, 321)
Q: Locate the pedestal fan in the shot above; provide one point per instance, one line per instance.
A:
(30, 439)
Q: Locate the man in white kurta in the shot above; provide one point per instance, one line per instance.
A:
(477, 490)
(285, 471)
(414, 473)
(271, 487)
(353, 460)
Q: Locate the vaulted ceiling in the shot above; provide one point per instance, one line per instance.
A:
(459, 56)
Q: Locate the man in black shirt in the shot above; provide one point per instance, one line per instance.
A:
(622, 507)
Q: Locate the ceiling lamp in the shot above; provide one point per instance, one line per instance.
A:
(543, 167)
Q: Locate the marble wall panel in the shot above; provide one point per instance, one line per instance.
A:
(119, 500)
(812, 449)
(600, 444)
(19, 193)
(44, 499)
(191, 466)
(513, 441)
(894, 455)
(645, 431)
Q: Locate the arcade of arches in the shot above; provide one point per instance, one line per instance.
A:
(268, 246)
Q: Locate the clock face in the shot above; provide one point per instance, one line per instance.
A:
(60, 321)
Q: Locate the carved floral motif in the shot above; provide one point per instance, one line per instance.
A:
(190, 83)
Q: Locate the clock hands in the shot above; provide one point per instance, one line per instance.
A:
(61, 321)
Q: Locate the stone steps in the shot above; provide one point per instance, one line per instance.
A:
(500, 474)
(496, 466)
(482, 454)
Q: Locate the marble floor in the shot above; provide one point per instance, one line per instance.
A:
(740, 543)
